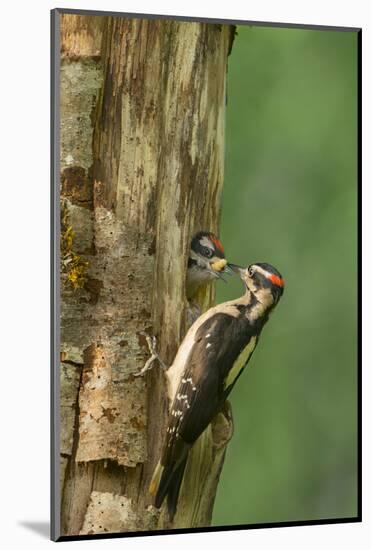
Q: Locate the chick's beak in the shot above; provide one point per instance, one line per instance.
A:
(227, 270)
(220, 268)
(219, 265)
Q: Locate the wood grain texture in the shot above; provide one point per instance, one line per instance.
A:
(81, 36)
(142, 125)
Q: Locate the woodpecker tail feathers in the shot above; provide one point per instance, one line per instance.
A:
(166, 482)
(174, 489)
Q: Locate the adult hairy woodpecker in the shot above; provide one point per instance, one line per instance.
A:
(208, 363)
(206, 261)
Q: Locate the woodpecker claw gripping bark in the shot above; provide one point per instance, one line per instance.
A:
(152, 346)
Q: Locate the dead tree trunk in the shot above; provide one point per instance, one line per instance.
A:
(142, 150)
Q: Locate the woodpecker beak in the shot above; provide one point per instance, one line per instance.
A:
(235, 268)
(242, 272)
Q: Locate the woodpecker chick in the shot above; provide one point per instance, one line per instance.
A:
(208, 363)
(206, 262)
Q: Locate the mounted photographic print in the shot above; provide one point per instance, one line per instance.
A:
(204, 281)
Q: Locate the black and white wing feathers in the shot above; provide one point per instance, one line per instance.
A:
(200, 394)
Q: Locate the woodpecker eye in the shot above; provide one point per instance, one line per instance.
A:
(207, 252)
(251, 271)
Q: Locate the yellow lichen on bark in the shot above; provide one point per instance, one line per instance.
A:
(74, 268)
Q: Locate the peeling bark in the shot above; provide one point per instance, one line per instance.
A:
(142, 150)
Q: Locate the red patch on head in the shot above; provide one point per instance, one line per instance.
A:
(277, 280)
(217, 243)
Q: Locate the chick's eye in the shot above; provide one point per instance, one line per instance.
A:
(207, 252)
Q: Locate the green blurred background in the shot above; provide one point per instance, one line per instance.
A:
(290, 200)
